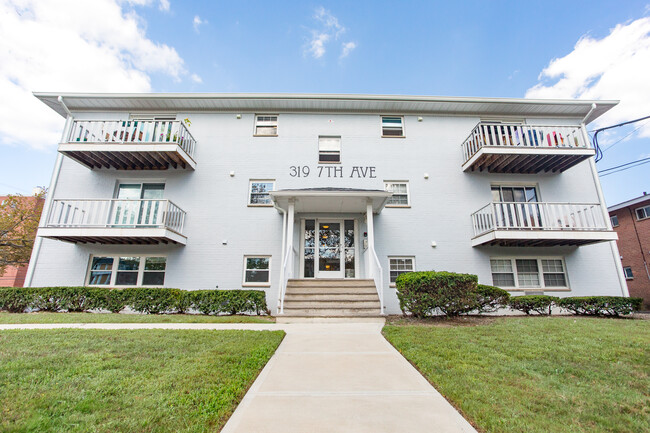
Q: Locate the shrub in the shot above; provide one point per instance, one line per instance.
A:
(424, 293)
(540, 304)
(152, 300)
(229, 301)
(600, 305)
(16, 299)
(113, 300)
(490, 298)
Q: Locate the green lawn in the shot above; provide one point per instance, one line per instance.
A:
(8, 318)
(127, 381)
(561, 374)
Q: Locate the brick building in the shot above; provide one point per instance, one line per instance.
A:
(631, 221)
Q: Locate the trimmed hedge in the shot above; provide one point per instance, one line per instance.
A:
(424, 293)
(540, 304)
(141, 299)
(490, 298)
(600, 305)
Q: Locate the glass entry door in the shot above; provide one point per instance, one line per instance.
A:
(330, 250)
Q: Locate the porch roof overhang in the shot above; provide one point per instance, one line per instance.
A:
(331, 200)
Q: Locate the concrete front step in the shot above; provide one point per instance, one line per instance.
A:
(331, 312)
(331, 304)
(331, 290)
(327, 297)
(329, 282)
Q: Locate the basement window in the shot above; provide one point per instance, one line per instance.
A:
(399, 266)
(529, 273)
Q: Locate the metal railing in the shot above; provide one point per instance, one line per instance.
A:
(516, 134)
(133, 132)
(538, 216)
(116, 213)
(377, 274)
(286, 274)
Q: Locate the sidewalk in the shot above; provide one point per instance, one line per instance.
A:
(342, 377)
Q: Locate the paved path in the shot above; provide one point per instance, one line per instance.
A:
(327, 378)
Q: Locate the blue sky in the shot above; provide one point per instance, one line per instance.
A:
(477, 48)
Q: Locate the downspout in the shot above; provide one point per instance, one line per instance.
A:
(48, 199)
(601, 198)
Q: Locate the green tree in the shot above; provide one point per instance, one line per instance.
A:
(19, 217)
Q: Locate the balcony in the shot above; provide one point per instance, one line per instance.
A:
(130, 144)
(115, 222)
(517, 148)
(540, 224)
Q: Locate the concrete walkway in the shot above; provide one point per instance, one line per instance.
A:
(341, 377)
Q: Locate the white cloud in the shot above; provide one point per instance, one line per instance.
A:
(329, 29)
(197, 22)
(164, 5)
(614, 67)
(347, 49)
(70, 46)
(196, 79)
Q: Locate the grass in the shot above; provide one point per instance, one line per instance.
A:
(127, 381)
(562, 374)
(21, 318)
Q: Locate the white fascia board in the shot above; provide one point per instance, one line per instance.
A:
(632, 202)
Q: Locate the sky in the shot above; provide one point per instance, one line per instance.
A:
(533, 49)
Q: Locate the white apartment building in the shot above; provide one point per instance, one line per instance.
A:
(273, 191)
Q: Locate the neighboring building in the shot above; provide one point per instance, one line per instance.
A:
(631, 221)
(286, 193)
(14, 276)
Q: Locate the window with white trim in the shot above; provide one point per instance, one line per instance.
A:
(329, 150)
(398, 266)
(266, 125)
(614, 220)
(127, 271)
(400, 190)
(257, 270)
(628, 273)
(392, 126)
(258, 192)
(529, 273)
(643, 212)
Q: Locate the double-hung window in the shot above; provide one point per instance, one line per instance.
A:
(127, 271)
(258, 192)
(329, 150)
(643, 212)
(266, 125)
(400, 265)
(614, 220)
(392, 126)
(529, 273)
(257, 270)
(400, 190)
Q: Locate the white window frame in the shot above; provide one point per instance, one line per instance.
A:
(612, 219)
(250, 192)
(266, 123)
(408, 193)
(645, 210)
(631, 274)
(340, 151)
(412, 258)
(114, 270)
(392, 126)
(540, 273)
(254, 284)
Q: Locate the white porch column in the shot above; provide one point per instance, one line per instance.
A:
(371, 237)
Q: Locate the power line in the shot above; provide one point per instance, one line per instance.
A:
(599, 152)
(623, 165)
(628, 166)
(618, 141)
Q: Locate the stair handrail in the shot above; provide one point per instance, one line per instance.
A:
(285, 274)
(378, 275)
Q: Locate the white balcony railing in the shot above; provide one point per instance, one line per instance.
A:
(133, 132)
(538, 216)
(116, 213)
(526, 136)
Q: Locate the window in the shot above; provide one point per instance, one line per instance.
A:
(257, 270)
(628, 273)
(400, 265)
(127, 271)
(259, 192)
(614, 220)
(329, 150)
(400, 190)
(392, 126)
(147, 211)
(535, 273)
(643, 212)
(266, 125)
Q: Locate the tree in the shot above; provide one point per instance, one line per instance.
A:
(19, 217)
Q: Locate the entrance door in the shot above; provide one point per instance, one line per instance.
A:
(329, 254)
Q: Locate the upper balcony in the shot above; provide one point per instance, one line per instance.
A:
(540, 224)
(517, 148)
(130, 144)
(115, 222)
